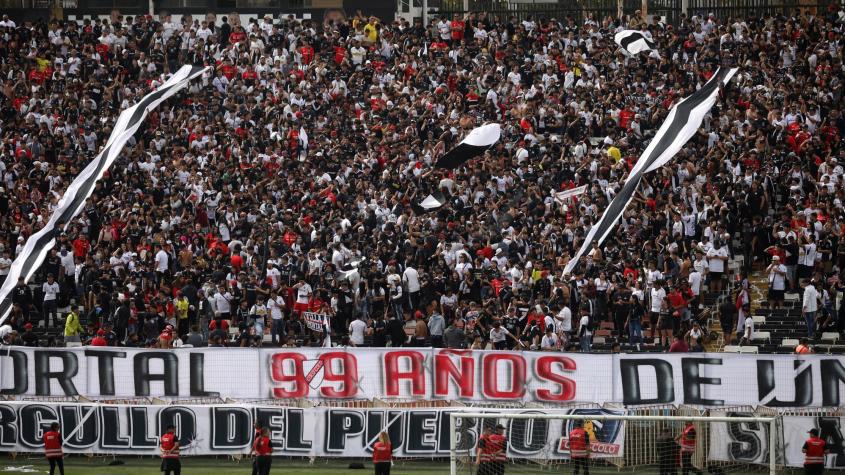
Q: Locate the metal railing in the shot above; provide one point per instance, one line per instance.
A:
(670, 10)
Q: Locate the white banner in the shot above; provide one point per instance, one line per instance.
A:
(316, 321)
(709, 380)
(749, 442)
(795, 433)
(319, 431)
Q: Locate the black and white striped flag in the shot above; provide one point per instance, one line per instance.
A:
(474, 144)
(680, 125)
(634, 42)
(73, 200)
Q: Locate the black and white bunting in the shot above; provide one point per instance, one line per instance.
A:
(680, 125)
(73, 200)
(634, 42)
(474, 144)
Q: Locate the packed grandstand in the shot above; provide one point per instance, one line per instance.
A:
(243, 203)
(356, 203)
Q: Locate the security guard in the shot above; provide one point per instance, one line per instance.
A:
(814, 450)
(169, 444)
(53, 449)
(579, 448)
(687, 441)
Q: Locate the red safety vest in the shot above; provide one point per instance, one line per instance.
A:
(578, 443)
(688, 439)
(262, 446)
(382, 452)
(169, 446)
(52, 444)
(814, 451)
(492, 448)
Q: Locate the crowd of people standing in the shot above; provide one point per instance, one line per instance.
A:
(281, 183)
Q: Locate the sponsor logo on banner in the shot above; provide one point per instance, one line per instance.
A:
(705, 380)
(606, 435)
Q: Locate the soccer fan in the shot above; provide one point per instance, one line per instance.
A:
(298, 160)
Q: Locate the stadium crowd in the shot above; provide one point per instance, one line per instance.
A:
(282, 182)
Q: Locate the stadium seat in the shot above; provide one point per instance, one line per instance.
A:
(749, 349)
(761, 336)
(731, 349)
(831, 337)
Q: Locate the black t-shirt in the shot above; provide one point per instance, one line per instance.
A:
(727, 310)
(511, 324)
(792, 254)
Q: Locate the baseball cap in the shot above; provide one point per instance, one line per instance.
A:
(814, 432)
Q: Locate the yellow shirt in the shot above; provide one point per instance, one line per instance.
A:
(182, 308)
(614, 153)
(72, 326)
(370, 32)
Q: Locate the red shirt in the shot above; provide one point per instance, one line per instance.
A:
(249, 75)
(237, 261)
(537, 317)
(625, 118)
(236, 37)
(679, 346)
(169, 447)
(307, 53)
(229, 71)
(262, 446)
(339, 54)
(457, 30)
(99, 341)
(676, 300)
(81, 247)
(382, 452)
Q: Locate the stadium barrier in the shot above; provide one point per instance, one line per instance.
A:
(410, 374)
(419, 433)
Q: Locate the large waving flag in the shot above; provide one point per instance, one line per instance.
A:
(633, 42)
(474, 144)
(683, 121)
(73, 201)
